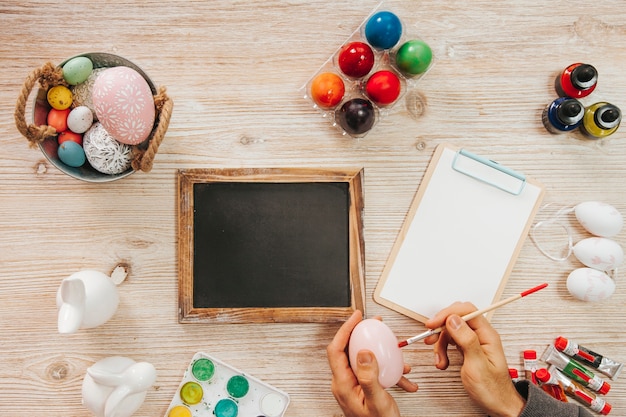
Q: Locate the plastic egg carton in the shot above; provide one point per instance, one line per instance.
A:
(212, 388)
(369, 73)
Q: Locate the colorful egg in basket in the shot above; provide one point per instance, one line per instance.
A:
(117, 116)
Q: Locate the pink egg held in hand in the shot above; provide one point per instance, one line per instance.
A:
(377, 337)
(124, 104)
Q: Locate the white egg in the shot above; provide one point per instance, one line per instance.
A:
(598, 218)
(588, 284)
(599, 253)
(80, 119)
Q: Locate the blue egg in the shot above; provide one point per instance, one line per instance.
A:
(383, 30)
(71, 153)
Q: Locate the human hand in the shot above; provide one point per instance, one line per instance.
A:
(359, 393)
(484, 372)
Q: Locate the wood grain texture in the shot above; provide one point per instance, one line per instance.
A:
(234, 70)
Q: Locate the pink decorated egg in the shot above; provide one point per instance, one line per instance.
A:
(377, 337)
(124, 104)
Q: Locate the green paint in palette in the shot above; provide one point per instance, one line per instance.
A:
(237, 386)
(203, 369)
(212, 388)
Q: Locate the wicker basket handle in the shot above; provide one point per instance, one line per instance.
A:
(47, 75)
(143, 159)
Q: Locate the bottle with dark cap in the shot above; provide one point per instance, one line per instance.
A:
(576, 81)
(562, 115)
(601, 120)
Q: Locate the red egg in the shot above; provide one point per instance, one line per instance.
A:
(68, 135)
(327, 89)
(58, 119)
(383, 87)
(356, 59)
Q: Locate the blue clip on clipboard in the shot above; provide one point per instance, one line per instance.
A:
(511, 181)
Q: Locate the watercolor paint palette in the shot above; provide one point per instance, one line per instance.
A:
(212, 388)
(369, 73)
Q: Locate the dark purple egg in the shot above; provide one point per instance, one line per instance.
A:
(356, 116)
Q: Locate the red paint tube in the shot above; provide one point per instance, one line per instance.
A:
(514, 374)
(530, 365)
(550, 384)
(575, 370)
(582, 395)
(607, 366)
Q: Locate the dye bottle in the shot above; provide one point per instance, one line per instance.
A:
(562, 115)
(576, 81)
(601, 120)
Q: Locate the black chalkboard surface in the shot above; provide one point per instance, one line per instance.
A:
(269, 245)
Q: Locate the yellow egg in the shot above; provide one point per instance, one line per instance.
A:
(60, 97)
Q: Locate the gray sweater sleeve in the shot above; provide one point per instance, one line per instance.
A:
(540, 404)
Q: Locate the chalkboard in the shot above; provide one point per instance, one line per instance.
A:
(270, 245)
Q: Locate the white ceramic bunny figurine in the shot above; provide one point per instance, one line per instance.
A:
(85, 299)
(117, 386)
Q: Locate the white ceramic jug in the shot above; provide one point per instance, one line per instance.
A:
(85, 299)
(116, 386)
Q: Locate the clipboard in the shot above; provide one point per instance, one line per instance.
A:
(461, 237)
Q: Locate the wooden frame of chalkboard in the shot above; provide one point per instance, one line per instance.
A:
(270, 245)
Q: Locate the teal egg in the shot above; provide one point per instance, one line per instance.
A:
(77, 70)
(414, 57)
(71, 153)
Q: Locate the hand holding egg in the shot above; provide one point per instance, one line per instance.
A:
(377, 337)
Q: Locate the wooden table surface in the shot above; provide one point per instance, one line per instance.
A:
(234, 70)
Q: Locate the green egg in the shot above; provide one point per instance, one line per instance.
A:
(77, 70)
(414, 57)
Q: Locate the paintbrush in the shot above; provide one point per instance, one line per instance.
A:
(473, 315)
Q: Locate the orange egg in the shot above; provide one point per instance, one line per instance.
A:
(68, 135)
(327, 89)
(58, 119)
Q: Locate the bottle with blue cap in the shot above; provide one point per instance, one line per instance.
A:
(563, 115)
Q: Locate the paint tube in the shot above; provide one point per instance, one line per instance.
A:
(582, 395)
(575, 370)
(530, 365)
(549, 382)
(607, 366)
(514, 374)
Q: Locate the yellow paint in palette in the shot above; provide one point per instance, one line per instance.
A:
(211, 388)
(179, 411)
(191, 393)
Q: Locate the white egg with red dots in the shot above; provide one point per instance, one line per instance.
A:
(80, 119)
(588, 284)
(599, 253)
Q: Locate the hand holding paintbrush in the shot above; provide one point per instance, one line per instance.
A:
(472, 315)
